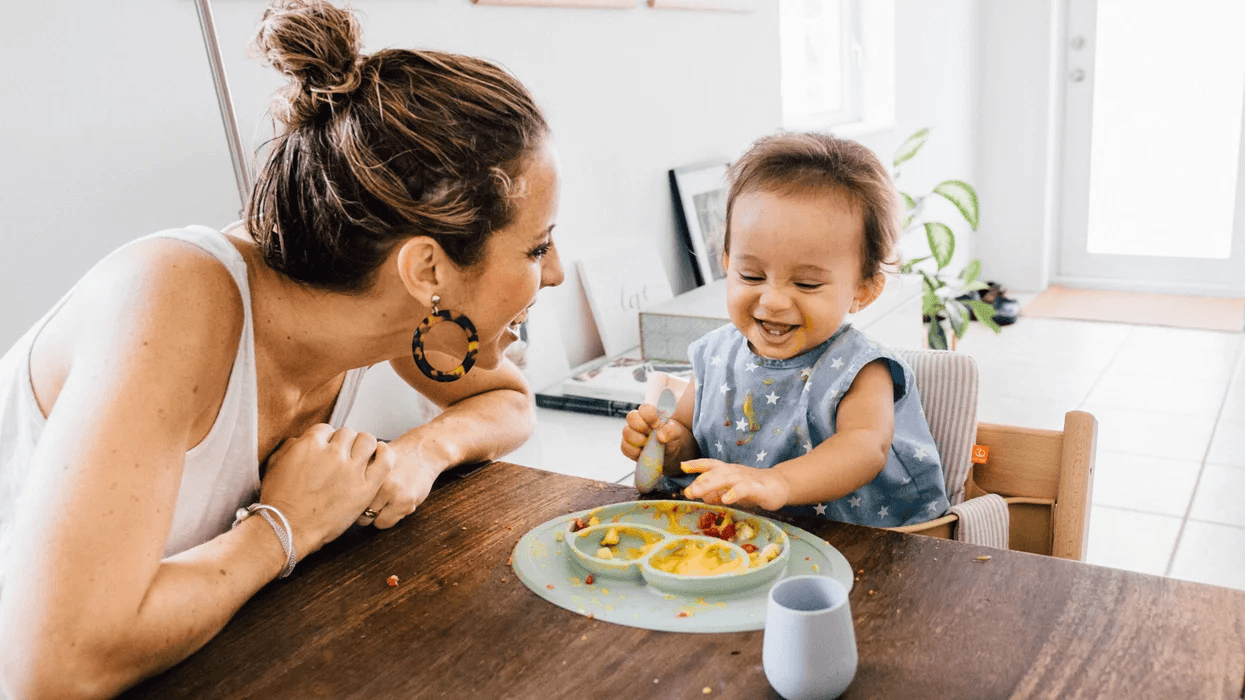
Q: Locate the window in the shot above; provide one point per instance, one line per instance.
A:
(837, 63)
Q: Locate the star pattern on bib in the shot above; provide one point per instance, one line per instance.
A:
(774, 430)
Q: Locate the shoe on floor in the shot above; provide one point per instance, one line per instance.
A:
(1005, 309)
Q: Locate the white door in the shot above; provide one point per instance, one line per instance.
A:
(1153, 149)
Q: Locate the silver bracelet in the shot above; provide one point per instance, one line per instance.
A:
(285, 534)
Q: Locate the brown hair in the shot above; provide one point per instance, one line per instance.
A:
(806, 163)
(374, 149)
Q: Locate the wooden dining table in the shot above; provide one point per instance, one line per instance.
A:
(933, 620)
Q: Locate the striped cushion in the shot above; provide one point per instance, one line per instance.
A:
(948, 386)
(983, 520)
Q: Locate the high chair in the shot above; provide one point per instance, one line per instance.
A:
(1043, 475)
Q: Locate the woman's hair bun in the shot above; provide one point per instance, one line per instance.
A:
(316, 45)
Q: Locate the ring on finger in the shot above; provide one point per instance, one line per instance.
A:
(369, 513)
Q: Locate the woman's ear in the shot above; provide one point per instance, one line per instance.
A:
(868, 291)
(421, 265)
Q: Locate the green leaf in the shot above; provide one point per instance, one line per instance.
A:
(908, 202)
(985, 314)
(931, 305)
(957, 315)
(906, 268)
(937, 336)
(963, 196)
(910, 147)
(974, 286)
(970, 272)
(941, 242)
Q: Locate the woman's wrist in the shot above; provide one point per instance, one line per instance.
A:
(426, 449)
(267, 544)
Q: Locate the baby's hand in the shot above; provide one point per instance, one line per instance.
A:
(678, 440)
(720, 482)
(640, 424)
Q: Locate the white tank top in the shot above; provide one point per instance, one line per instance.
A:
(221, 473)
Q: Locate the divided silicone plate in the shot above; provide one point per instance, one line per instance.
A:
(554, 562)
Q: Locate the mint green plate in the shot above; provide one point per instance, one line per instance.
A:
(543, 561)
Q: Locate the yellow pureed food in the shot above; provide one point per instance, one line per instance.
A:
(698, 559)
(609, 543)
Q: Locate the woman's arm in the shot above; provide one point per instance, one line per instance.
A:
(846, 461)
(89, 606)
(487, 414)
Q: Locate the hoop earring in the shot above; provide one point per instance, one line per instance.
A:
(417, 344)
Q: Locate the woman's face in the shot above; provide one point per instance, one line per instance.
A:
(518, 261)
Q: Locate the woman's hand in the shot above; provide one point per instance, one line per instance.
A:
(322, 480)
(641, 423)
(400, 494)
(720, 482)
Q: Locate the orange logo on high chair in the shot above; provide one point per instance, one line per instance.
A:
(980, 452)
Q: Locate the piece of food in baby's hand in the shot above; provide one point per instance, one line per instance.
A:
(611, 537)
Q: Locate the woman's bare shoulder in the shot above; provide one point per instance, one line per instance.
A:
(166, 301)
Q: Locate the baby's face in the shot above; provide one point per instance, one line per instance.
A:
(793, 271)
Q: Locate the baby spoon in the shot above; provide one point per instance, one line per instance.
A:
(648, 466)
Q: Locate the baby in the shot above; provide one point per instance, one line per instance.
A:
(791, 408)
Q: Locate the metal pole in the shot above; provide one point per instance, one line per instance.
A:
(240, 171)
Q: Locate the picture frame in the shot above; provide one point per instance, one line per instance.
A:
(597, 4)
(699, 193)
(718, 5)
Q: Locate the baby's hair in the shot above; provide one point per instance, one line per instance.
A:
(812, 163)
(374, 149)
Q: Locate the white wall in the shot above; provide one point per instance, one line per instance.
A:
(109, 131)
(937, 70)
(1019, 142)
(113, 131)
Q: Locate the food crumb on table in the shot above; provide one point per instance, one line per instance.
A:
(870, 592)
(984, 557)
(392, 581)
(504, 579)
(707, 690)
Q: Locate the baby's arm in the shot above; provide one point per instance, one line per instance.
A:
(848, 460)
(676, 434)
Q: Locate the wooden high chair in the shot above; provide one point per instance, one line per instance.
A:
(1045, 476)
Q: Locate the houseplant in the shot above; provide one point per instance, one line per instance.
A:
(948, 301)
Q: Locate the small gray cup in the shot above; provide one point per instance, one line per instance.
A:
(809, 652)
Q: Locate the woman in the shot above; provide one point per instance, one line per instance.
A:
(192, 373)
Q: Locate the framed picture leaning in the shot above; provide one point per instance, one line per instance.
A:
(700, 206)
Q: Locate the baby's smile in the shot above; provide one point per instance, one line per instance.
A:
(775, 330)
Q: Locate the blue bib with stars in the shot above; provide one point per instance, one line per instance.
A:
(759, 412)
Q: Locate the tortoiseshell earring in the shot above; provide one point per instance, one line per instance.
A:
(417, 344)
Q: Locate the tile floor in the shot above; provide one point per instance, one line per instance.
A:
(1169, 487)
